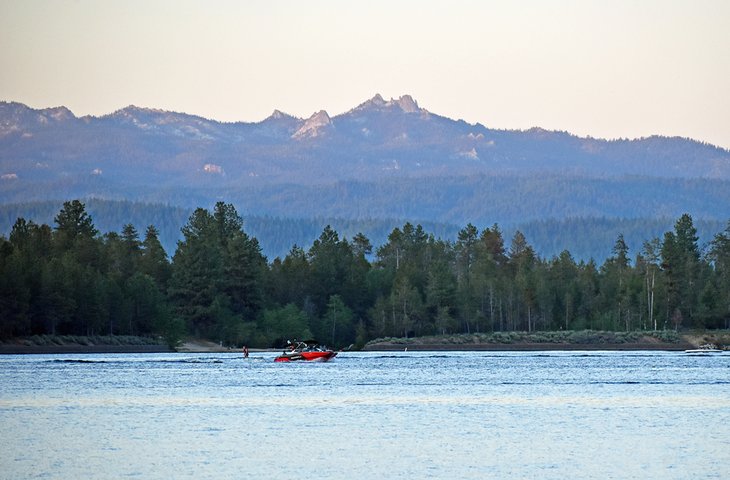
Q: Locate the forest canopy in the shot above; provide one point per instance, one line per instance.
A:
(71, 279)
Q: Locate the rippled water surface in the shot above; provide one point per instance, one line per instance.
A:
(366, 415)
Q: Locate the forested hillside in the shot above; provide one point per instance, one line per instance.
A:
(374, 141)
(387, 219)
(484, 199)
(71, 279)
(584, 237)
(276, 234)
(370, 169)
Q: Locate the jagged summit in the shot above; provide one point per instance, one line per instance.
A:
(19, 119)
(407, 104)
(374, 103)
(404, 103)
(315, 126)
(15, 109)
(279, 115)
(139, 116)
(132, 109)
(145, 117)
(377, 99)
(58, 113)
(365, 143)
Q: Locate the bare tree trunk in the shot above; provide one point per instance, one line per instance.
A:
(501, 316)
(334, 322)
(405, 317)
(651, 304)
(491, 304)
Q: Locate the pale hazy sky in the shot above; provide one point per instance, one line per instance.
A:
(613, 68)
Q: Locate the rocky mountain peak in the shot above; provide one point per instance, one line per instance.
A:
(17, 118)
(279, 115)
(58, 113)
(407, 104)
(375, 103)
(314, 126)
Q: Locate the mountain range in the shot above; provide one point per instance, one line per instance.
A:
(381, 159)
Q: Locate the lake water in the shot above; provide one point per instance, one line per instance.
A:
(479, 415)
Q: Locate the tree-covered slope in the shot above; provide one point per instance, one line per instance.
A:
(585, 237)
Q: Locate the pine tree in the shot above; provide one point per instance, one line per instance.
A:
(73, 223)
(154, 261)
(522, 261)
(196, 275)
(680, 261)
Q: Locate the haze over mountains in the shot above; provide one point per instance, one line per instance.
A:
(383, 159)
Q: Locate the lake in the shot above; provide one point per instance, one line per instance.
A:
(366, 415)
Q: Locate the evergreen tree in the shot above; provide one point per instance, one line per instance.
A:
(290, 279)
(153, 260)
(441, 298)
(565, 293)
(651, 256)
(466, 251)
(338, 319)
(719, 256)
(361, 246)
(589, 287)
(14, 292)
(615, 273)
(680, 261)
(197, 274)
(522, 260)
(70, 280)
(277, 325)
(73, 224)
(243, 274)
(333, 271)
(217, 279)
(490, 276)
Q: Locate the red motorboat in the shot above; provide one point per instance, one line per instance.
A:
(307, 351)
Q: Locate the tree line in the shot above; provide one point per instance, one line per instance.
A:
(70, 279)
(584, 237)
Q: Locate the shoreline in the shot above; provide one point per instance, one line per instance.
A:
(530, 347)
(192, 346)
(598, 342)
(214, 348)
(59, 349)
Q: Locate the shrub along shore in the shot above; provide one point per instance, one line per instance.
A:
(42, 344)
(590, 340)
(560, 340)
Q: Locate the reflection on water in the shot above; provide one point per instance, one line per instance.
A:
(366, 415)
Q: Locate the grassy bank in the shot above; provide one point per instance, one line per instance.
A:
(83, 344)
(568, 340)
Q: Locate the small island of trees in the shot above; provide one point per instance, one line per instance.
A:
(71, 280)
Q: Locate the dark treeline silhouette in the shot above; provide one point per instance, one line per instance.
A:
(70, 279)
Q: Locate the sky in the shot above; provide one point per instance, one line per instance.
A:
(606, 69)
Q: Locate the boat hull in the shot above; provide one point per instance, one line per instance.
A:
(306, 356)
